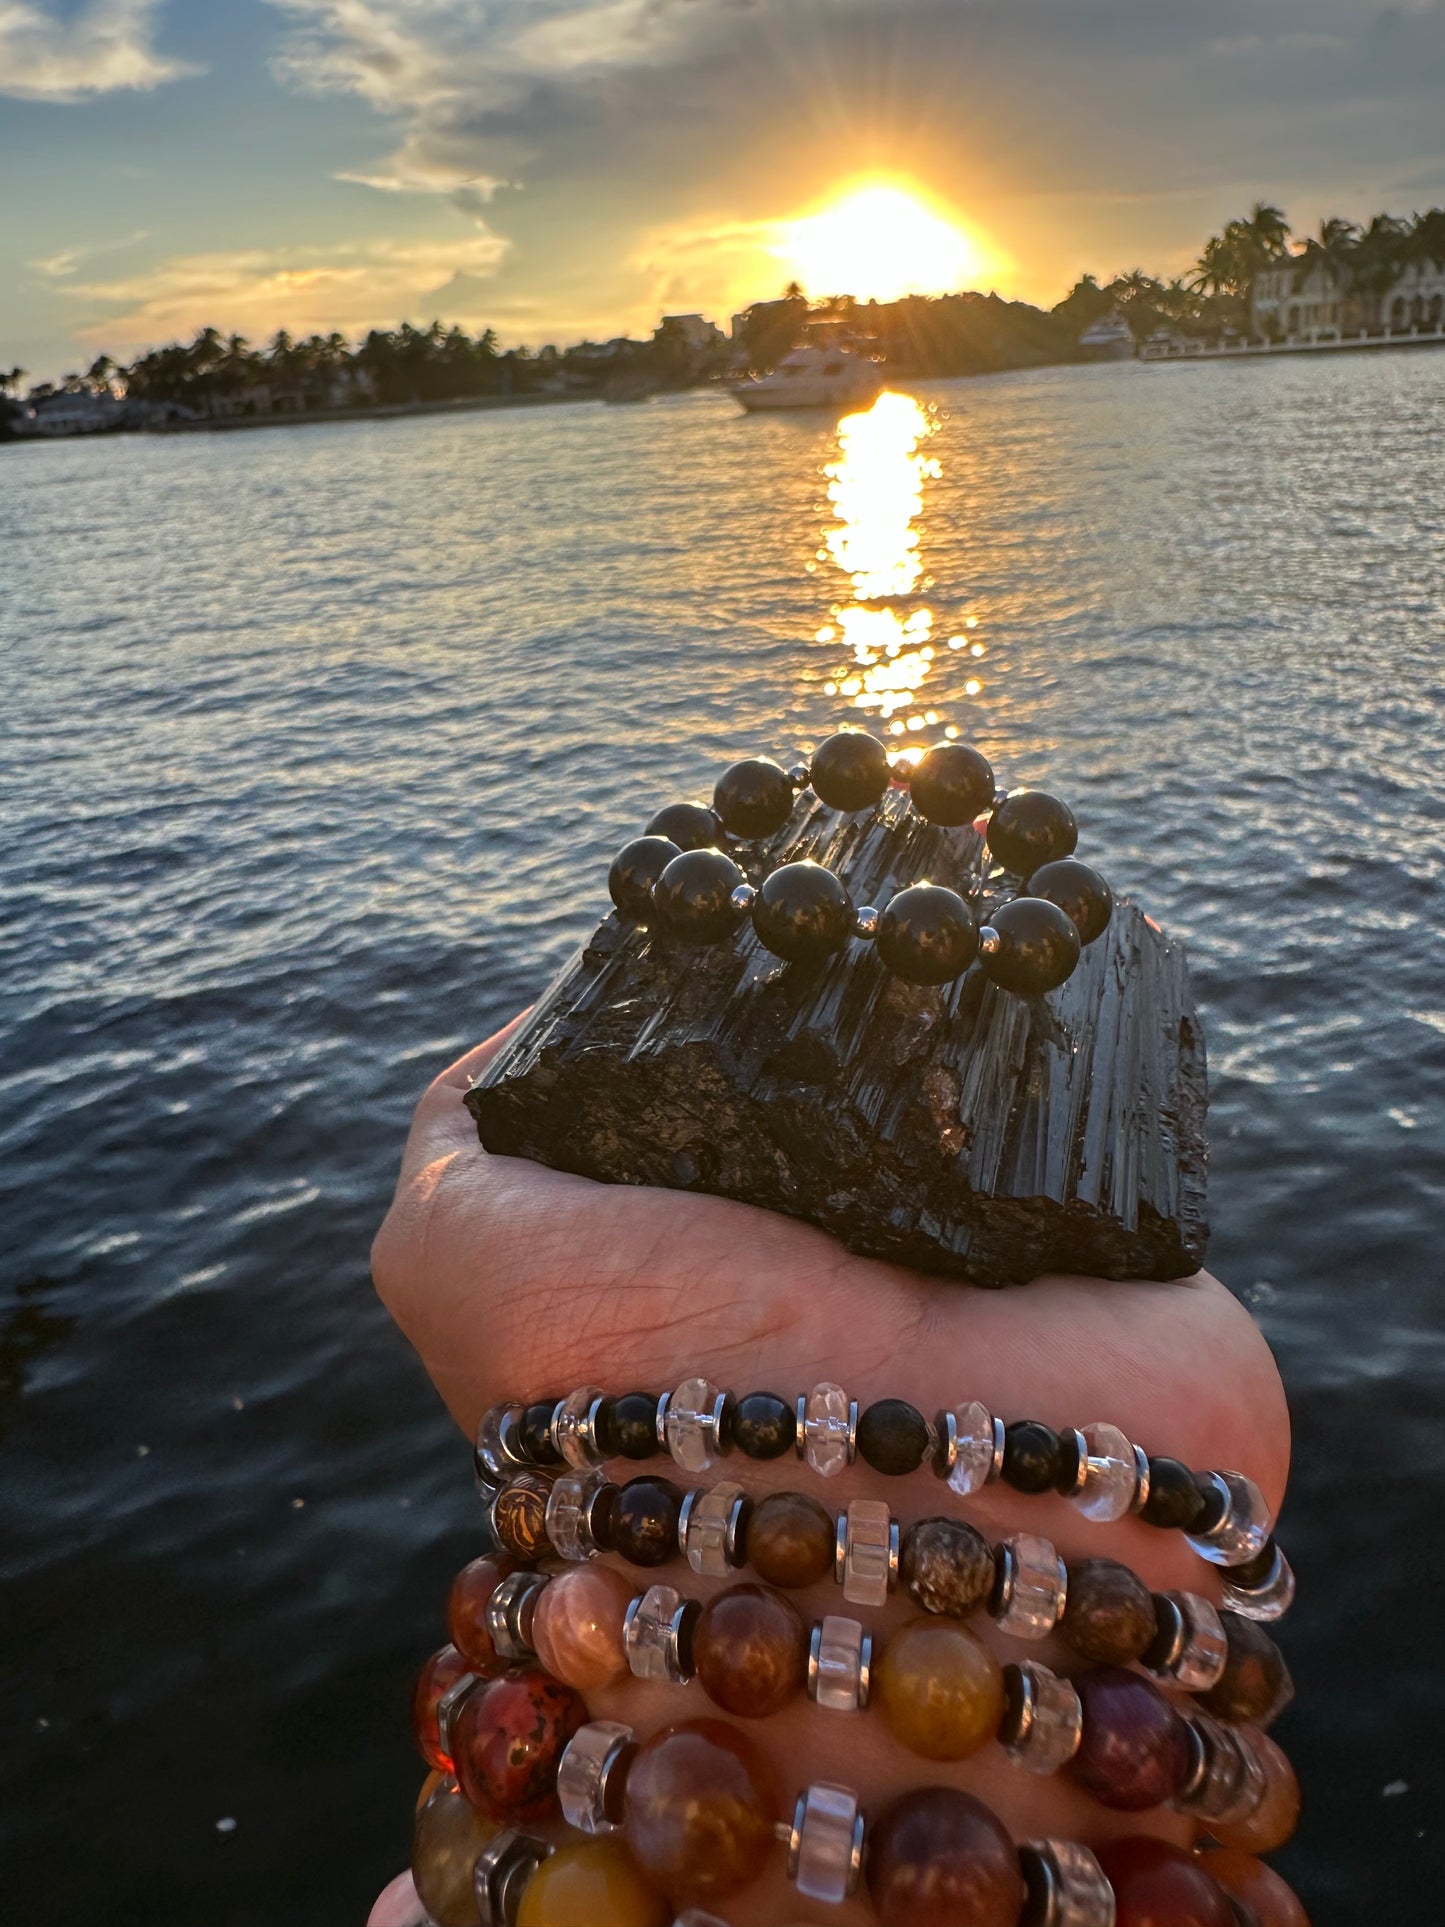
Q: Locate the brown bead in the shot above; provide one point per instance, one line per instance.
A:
(1255, 1683)
(699, 1811)
(750, 1650)
(939, 1858)
(448, 1836)
(947, 1567)
(1275, 1818)
(1109, 1617)
(519, 1514)
(1159, 1885)
(790, 1540)
(577, 1626)
(1258, 1886)
(467, 1613)
(940, 1688)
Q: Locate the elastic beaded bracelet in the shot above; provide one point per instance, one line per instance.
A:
(1222, 1514)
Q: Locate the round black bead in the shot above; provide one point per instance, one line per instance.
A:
(951, 784)
(635, 869)
(1214, 1503)
(1079, 891)
(693, 900)
(849, 771)
(927, 934)
(764, 1426)
(1031, 828)
(644, 1521)
(534, 1435)
(754, 797)
(1254, 1572)
(691, 826)
(627, 1426)
(803, 913)
(1174, 1497)
(1032, 1456)
(893, 1437)
(1068, 1477)
(1039, 947)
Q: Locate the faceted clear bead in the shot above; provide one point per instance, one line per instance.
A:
(825, 1851)
(1227, 1781)
(825, 1429)
(1111, 1476)
(1196, 1654)
(657, 1634)
(493, 1452)
(1242, 1531)
(1067, 1886)
(572, 1429)
(710, 1540)
(870, 1552)
(974, 1460)
(690, 1427)
(1034, 1588)
(1045, 1719)
(1270, 1601)
(840, 1664)
(567, 1505)
(590, 1775)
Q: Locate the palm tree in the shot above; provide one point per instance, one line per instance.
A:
(12, 380)
(1267, 229)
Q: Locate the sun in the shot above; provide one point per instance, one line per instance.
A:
(880, 241)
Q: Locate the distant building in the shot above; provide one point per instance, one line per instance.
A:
(76, 412)
(689, 331)
(1311, 296)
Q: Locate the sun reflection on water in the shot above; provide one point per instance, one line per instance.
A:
(876, 489)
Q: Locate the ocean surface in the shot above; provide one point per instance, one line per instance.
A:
(316, 747)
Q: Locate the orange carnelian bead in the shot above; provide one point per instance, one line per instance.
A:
(467, 1613)
(1159, 1885)
(434, 1682)
(448, 1837)
(577, 1626)
(591, 1881)
(1277, 1815)
(941, 1689)
(1258, 1886)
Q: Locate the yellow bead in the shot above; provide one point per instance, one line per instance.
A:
(593, 1883)
(940, 1688)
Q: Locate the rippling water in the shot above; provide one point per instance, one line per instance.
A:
(317, 746)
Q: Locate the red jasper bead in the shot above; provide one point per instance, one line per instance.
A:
(508, 1739)
(1159, 1885)
(467, 1613)
(1135, 1751)
(433, 1683)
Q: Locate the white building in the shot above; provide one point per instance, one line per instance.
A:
(76, 412)
(695, 334)
(1301, 298)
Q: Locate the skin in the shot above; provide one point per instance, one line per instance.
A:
(516, 1282)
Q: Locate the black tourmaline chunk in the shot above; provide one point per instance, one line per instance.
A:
(534, 1434)
(644, 1521)
(1174, 1498)
(627, 1426)
(893, 1436)
(1032, 1456)
(764, 1426)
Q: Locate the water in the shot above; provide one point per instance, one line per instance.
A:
(317, 746)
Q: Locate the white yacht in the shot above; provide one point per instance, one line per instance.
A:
(1110, 338)
(815, 375)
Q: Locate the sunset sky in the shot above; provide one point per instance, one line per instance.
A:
(561, 168)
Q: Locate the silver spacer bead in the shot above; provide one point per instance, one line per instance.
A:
(1141, 1489)
(744, 897)
(501, 1874)
(995, 1471)
(1082, 1454)
(450, 1704)
(661, 1427)
(800, 1437)
(800, 776)
(852, 1430)
(865, 922)
(510, 1612)
(989, 941)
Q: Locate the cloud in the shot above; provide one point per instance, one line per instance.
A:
(254, 291)
(105, 48)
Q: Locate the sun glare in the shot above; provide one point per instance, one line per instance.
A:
(880, 242)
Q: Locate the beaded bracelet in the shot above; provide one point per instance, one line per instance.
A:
(678, 876)
(1222, 1514)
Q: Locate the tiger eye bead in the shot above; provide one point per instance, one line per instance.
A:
(577, 1626)
(691, 826)
(1275, 1818)
(1159, 1885)
(940, 1688)
(635, 869)
(1029, 829)
(595, 1882)
(448, 1836)
(435, 1680)
(1255, 1681)
(753, 797)
(1135, 1750)
(699, 1810)
(939, 1858)
(467, 1602)
(791, 1540)
(951, 784)
(1109, 1617)
(1079, 891)
(508, 1738)
(947, 1567)
(750, 1650)
(644, 1521)
(849, 771)
(764, 1426)
(1258, 1886)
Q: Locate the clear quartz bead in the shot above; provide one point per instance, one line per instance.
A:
(1226, 1781)
(1246, 1524)
(1192, 1649)
(591, 1773)
(1044, 1722)
(568, 1526)
(657, 1634)
(1033, 1589)
(825, 1429)
(1111, 1476)
(840, 1664)
(690, 1426)
(572, 1429)
(1066, 1885)
(494, 1453)
(973, 1463)
(868, 1540)
(1271, 1600)
(825, 1850)
(710, 1536)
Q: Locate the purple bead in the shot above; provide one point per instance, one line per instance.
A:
(1135, 1749)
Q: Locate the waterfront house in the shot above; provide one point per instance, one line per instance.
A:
(1309, 298)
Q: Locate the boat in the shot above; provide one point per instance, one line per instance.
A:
(1110, 338)
(814, 375)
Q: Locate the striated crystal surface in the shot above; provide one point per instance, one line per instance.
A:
(1246, 1524)
(567, 1504)
(708, 1529)
(1046, 1737)
(839, 1662)
(1111, 1476)
(571, 1434)
(1270, 1600)
(973, 1465)
(827, 1842)
(657, 1637)
(867, 1557)
(690, 1424)
(1034, 1588)
(587, 1776)
(825, 1430)
(1067, 1886)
